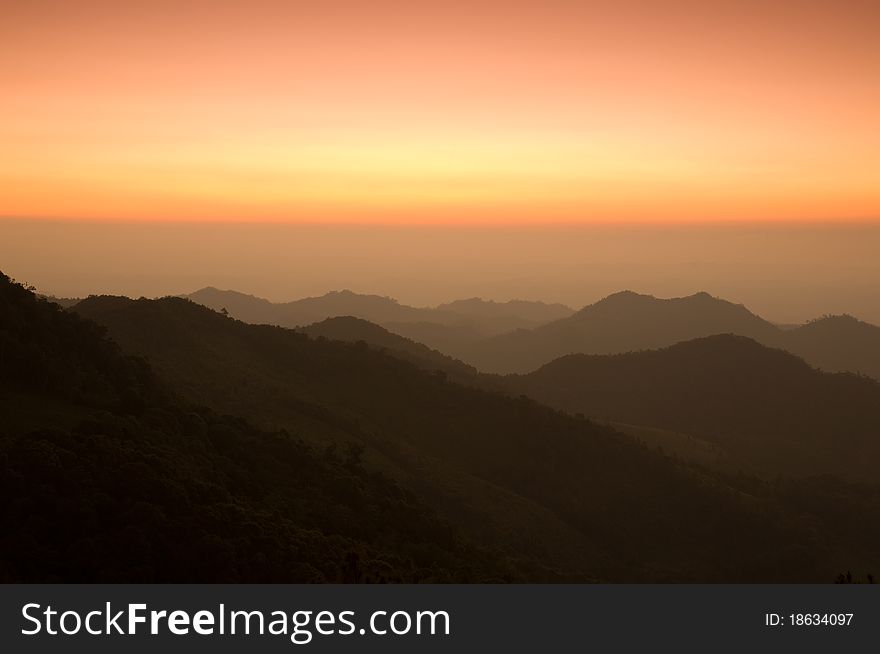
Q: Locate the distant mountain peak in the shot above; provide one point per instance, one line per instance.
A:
(839, 319)
(213, 291)
(627, 293)
(633, 298)
(348, 294)
(619, 298)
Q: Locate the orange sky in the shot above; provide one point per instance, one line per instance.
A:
(450, 112)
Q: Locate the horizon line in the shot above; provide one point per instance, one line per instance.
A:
(849, 221)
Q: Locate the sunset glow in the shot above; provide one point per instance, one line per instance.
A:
(399, 112)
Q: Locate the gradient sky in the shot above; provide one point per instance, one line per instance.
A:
(786, 272)
(441, 112)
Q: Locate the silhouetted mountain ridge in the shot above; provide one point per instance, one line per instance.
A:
(837, 344)
(621, 322)
(760, 403)
(525, 311)
(162, 490)
(577, 496)
(480, 316)
(519, 336)
(352, 330)
(363, 467)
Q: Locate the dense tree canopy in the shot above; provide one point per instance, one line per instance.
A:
(350, 464)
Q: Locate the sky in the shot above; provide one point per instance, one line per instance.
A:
(557, 150)
(499, 112)
(788, 273)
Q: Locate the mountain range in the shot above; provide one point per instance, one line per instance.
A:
(157, 440)
(628, 322)
(759, 404)
(621, 322)
(761, 409)
(518, 336)
(353, 330)
(474, 316)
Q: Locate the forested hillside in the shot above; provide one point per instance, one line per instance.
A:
(597, 502)
(107, 476)
(353, 330)
(837, 344)
(621, 322)
(758, 403)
